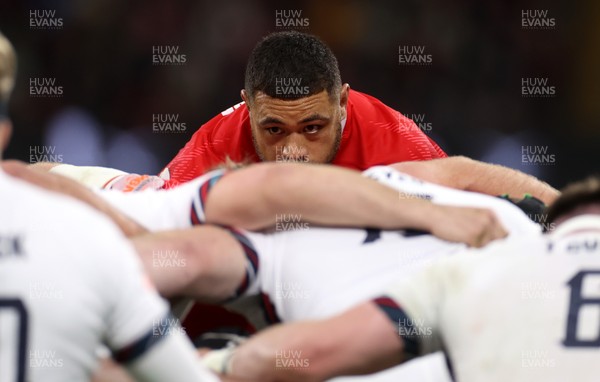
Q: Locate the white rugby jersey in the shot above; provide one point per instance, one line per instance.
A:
(519, 310)
(69, 282)
(312, 272)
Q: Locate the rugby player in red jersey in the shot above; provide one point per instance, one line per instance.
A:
(297, 109)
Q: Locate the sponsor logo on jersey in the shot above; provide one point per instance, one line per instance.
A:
(135, 182)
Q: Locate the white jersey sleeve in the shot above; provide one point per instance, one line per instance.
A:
(91, 176)
(136, 311)
(412, 305)
(173, 359)
(176, 208)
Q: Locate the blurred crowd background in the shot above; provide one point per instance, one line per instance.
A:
(469, 97)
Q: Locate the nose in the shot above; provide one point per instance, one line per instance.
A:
(295, 150)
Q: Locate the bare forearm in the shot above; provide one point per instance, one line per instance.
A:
(205, 263)
(318, 194)
(336, 196)
(359, 341)
(495, 180)
(471, 175)
(157, 250)
(282, 353)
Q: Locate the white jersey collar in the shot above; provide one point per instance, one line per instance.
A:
(581, 223)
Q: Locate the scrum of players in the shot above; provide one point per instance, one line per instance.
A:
(412, 270)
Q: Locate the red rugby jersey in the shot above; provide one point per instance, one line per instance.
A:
(374, 134)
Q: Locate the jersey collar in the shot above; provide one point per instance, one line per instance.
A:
(578, 224)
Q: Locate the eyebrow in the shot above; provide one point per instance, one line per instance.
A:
(315, 117)
(311, 118)
(269, 121)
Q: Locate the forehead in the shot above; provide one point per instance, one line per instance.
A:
(265, 106)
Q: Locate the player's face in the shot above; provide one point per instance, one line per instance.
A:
(301, 130)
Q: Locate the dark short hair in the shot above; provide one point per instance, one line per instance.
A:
(302, 57)
(575, 195)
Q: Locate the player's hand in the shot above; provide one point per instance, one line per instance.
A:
(218, 361)
(69, 187)
(475, 227)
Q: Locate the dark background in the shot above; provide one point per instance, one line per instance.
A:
(470, 95)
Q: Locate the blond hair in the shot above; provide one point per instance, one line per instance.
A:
(8, 68)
